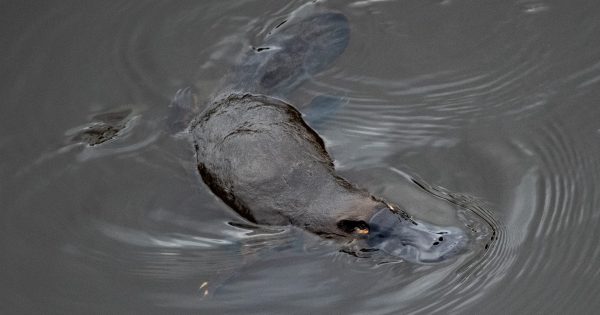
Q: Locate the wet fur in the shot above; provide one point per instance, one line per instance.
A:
(258, 155)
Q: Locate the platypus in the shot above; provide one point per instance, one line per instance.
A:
(256, 153)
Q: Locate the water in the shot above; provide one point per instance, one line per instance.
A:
(487, 108)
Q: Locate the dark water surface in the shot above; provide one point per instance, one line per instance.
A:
(484, 107)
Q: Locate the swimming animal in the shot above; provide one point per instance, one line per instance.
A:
(257, 154)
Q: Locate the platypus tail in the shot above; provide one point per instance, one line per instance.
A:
(303, 45)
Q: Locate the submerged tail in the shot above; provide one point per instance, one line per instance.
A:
(300, 47)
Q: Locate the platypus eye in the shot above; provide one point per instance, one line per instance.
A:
(353, 227)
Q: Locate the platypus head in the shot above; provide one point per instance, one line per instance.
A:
(395, 233)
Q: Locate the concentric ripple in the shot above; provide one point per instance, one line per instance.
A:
(471, 114)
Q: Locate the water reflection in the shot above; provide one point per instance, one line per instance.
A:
(484, 114)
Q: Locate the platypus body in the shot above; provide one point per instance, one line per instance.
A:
(257, 154)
